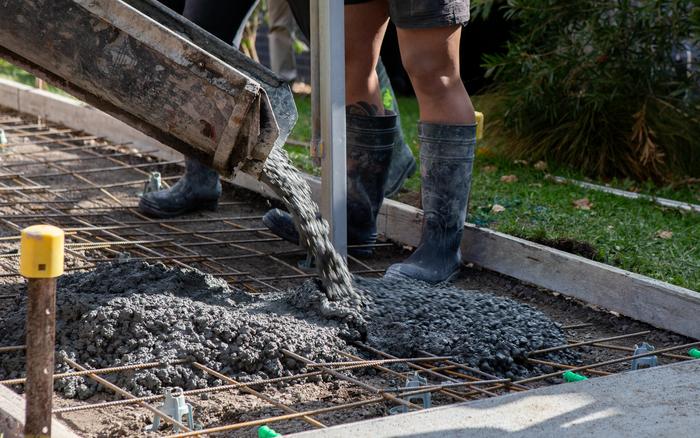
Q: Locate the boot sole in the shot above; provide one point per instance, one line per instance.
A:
(150, 211)
(449, 278)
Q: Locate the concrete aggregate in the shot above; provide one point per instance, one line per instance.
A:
(338, 295)
(131, 312)
(482, 330)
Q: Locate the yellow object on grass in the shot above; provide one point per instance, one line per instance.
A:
(41, 252)
(479, 125)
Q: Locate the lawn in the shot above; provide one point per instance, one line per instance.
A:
(9, 71)
(635, 235)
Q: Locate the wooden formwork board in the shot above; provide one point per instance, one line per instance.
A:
(150, 76)
(12, 417)
(655, 302)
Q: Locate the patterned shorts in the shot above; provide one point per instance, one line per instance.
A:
(425, 13)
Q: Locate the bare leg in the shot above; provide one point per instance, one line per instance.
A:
(365, 25)
(431, 58)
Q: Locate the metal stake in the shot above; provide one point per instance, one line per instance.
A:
(41, 261)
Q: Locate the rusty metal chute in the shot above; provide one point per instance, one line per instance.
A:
(151, 68)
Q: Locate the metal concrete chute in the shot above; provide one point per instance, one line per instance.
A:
(156, 71)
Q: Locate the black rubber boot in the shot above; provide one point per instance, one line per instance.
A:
(369, 147)
(198, 189)
(403, 165)
(447, 156)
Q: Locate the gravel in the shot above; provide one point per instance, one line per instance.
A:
(131, 312)
(405, 317)
(338, 296)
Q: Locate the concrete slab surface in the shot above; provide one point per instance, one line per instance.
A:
(656, 402)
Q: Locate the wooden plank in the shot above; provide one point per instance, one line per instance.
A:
(12, 417)
(9, 95)
(144, 74)
(643, 298)
(78, 115)
(655, 302)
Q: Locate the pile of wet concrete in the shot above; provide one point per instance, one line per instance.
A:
(482, 330)
(131, 312)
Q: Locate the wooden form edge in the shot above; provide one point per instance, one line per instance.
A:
(77, 115)
(639, 297)
(12, 417)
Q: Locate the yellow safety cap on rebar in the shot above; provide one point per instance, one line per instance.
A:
(41, 252)
(479, 125)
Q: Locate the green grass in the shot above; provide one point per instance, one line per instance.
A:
(624, 232)
(9, 71)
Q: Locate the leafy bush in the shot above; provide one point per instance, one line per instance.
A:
(602, 85)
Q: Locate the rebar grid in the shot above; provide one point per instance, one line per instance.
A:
(90, 188)
(96, 206)
(437, 369)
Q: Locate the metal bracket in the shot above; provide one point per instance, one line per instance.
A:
(175, 406)
(644, 362)
(415, 380)
(154, 183)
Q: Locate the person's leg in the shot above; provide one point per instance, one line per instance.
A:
(281, 39)
(431, 58)
(200, 187)
(369, 147)
(220, 18)
(448, 138)
(371, 131)
(403, 164)
(176, 5)
(365, 24)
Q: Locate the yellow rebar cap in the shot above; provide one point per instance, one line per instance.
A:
(479, 125)
(41, 252)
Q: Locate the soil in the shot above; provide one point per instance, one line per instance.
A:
(573, 246)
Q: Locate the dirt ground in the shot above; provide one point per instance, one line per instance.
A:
(90, 199)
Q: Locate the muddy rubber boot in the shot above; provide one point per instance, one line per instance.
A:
(198, 189)
(403, 165)
(447, 156)
(368, 153)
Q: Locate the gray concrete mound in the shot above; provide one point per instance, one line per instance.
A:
(482, 330)
(132, 312)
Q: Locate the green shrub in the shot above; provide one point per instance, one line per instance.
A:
(597, 85)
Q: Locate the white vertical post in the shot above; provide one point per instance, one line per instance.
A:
(315, 86)
(328, 46)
